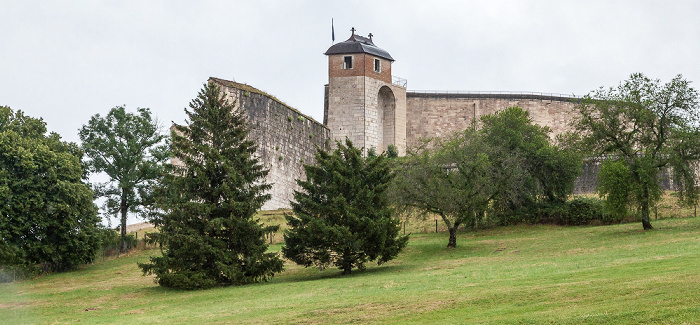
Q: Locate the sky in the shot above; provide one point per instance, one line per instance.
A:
(65, 61)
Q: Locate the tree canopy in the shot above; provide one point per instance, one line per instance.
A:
(504, 165)
(208, 201)
(342, 216)
(642, 128)
(130, 149)
(47, 215)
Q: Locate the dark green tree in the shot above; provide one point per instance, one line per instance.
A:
(392, 151)
(529, 168)
(342, 216)
(642, 128)
(47, 215)
(208, 201)
(130, 149)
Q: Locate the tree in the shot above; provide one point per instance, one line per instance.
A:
(450, 177)
(208, 201)
(505, 166)
(342, 216)
(47, 217)
(530, 169)
(130, 150)
(392, 151)
(642, 128)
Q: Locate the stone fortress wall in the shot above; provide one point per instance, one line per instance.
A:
(286, 138)
(438, 114)
(367, 104)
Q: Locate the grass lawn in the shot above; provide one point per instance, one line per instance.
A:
(523, 274)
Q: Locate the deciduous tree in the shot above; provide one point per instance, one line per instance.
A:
(642, 127)
(130, 149)
(451, 177)
(529, 168)
(505, 165)
(47, 216)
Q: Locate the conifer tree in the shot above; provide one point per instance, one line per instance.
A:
(207, 229)
(342, 217)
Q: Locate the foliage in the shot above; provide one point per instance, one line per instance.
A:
(129, 149)
(530, 169)
(579, 211)
(644, 128)
(372, 152)
(452, 178)
(392, 151)
(48, 221)
(505, 167)
(342, 216)
(615, 184)
(208, 199)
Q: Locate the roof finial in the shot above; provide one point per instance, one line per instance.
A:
(353, 31)
(370, 36)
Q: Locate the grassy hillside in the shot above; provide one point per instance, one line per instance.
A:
(524, 274)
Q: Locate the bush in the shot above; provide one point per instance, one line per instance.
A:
(581, 211)
(575, 212)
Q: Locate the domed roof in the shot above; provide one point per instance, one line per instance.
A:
(358, 44)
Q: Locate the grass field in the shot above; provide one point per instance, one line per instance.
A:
(524, 274)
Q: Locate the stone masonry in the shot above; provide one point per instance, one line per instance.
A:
(440, 114)
(364, 105)
(286, 138)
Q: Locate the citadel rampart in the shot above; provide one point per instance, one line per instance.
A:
(286, 138)
(363, 103)
(438, 114)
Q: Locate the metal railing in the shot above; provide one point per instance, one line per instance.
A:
(399, 81)
(522, 93)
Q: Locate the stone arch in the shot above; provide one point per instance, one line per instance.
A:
(386, 110)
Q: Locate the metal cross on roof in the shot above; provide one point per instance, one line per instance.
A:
(370, 36)
(352, 30)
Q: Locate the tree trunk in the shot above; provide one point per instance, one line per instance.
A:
(453, 237)
(646, 222)
(123, 210)
(347, 259)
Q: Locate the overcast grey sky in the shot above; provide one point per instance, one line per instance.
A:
(65, 61)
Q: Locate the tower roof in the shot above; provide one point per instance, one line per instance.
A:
(358, 44)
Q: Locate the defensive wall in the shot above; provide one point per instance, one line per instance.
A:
(286, 138)
(438, 114)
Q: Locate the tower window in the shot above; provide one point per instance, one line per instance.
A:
(347, 62)
(377, 66)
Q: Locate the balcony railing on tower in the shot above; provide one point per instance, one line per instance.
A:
(399, 81)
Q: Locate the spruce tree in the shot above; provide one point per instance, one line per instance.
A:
(207, 227)
(342, 217)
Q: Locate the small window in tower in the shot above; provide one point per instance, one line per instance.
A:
(377, 66)
(347, 62)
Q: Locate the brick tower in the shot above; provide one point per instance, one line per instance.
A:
(361, 101)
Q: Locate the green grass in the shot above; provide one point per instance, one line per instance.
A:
(523, 274)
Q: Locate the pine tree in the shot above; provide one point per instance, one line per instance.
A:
(342, 216)
(207, 229)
